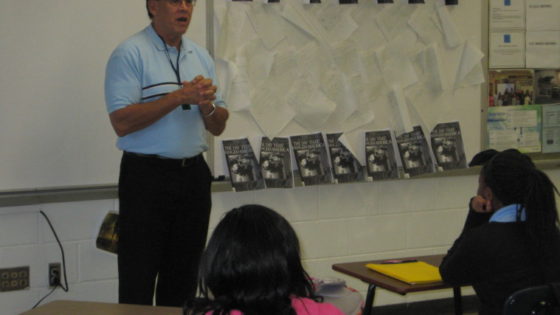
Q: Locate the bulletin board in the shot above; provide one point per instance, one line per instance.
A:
(291, 68)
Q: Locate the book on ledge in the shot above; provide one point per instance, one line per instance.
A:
(417, 272)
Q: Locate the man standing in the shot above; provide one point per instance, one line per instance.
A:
(160, 97)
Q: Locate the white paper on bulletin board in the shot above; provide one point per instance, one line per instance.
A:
(326, 67)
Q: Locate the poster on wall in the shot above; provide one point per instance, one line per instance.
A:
(276, 163)
(447, 146)
(242, 164)
(507, 49)
(516, 127)
(543, 49)
(415, 153)
(547, 86)
(507, 15)
(551, 128)
(312, 159)
(381, 155)
(346, 168)
(542, 15)
(511, 87)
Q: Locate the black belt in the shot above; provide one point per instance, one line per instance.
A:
(184, 162)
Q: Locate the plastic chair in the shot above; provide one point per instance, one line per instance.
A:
(541, 300)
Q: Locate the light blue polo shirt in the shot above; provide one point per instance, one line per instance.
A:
(139, 71)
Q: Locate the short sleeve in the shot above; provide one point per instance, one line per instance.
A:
(122, 79)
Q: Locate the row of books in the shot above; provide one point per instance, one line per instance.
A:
(326, 159)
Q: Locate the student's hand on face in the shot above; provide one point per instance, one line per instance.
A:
(481, 205)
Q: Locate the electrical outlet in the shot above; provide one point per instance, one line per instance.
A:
(16, 278)
(54, 274)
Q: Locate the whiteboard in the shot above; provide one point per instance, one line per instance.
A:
(455, 102)
(54, 130)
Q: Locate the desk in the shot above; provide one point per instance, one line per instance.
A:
(376, 279)
(97, 308)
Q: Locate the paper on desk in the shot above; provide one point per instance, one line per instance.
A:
(542, 15)
(452, 36)
(271, 112)
(470, 68)
(399, 100)
(543, 49)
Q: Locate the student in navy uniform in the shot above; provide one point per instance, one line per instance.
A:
(161, 98)
(510, 239)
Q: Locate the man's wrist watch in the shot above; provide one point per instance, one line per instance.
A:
(212, 111)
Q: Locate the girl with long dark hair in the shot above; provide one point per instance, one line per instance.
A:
(511, 238)
(252, 266)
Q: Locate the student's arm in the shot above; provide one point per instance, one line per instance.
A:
(478, 213)
(458, 267)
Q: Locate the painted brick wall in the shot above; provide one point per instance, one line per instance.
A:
(335, 223)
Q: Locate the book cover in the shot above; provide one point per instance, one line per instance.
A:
(242, 164)
(380, 155)
(418, 272)
(346, 168)
(312, 159)
(276, 163)
(447, 146)
(415, 153)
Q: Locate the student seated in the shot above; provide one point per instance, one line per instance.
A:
(510, 239)
(252, 266)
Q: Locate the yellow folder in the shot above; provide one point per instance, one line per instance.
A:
(411, 272)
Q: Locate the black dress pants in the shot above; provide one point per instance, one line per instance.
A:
(163, 224)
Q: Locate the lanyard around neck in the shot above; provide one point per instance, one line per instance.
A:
(176, 70)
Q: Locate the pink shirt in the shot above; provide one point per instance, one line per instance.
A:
(305, 306)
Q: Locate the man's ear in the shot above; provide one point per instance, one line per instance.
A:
(152, 6)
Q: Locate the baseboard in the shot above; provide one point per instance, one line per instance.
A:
(430, 307)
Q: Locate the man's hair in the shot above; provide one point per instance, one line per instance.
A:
(252, 264)
(148, 9)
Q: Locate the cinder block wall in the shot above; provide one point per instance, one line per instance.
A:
(335, 223)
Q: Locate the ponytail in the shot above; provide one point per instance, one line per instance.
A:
(514, 179)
